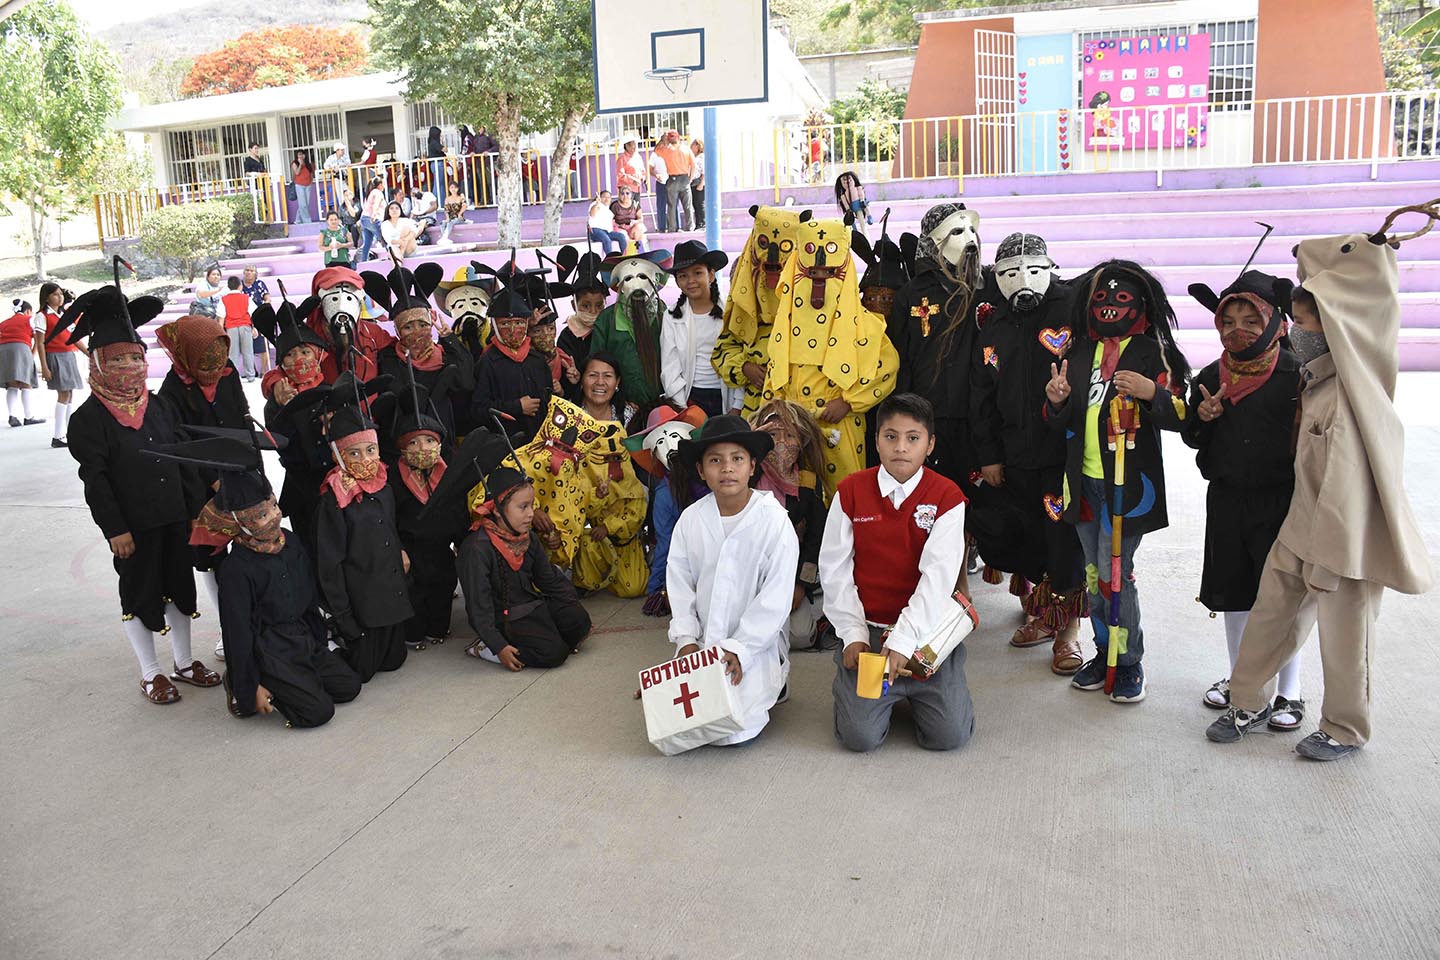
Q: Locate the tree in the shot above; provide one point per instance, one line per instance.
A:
(502, 64)
(189, 233)
(569, 100)
(58, 88)
(275, 57)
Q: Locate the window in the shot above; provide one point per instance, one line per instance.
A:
(649, 125)
(207, 154)
(428, 114)
(315, 133)
(1232, 57)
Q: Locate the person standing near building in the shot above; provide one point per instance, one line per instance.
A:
(697, 183)
(302, 176)
(239, 330)
(253, 164)
(661, 173)
(372, 211)
(679, 164)
(335, 244)
(58, 354)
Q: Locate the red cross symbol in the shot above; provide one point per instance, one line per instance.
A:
(686, 695)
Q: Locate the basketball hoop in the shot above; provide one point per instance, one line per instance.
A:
(676, 79)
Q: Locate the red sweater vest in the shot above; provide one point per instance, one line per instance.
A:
(889, 540)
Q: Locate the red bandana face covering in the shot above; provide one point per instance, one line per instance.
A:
(302, 367)
(1242, 377)
(117, 378)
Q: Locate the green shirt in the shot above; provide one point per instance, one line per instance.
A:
(1091, 465)
(614, 333)
(333, 257)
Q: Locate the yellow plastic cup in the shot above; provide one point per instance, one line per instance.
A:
(870, 679)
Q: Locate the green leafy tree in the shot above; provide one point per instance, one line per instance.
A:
(58, 88)
(569, 97)
(502, 64)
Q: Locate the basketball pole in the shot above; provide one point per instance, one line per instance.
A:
(712, 181)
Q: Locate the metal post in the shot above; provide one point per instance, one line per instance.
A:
(712, 181)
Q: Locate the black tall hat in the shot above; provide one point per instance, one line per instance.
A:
(415, 413)
(587, 276)
(105, 316)
(284, 328)
(1273, 290)
(402, 289)
(885, 263)
(481, 453)
(236, 454)
(348, 403)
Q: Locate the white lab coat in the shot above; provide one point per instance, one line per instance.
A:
(734, 592)
(680, 338)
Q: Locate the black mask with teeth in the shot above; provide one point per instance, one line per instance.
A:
(1117, 309)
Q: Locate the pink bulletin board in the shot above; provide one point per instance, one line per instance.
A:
(1146, 92)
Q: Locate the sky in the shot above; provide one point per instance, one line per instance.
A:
(101, 14)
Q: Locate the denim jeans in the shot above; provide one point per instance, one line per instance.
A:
(369, 235)
(242, 350)
(1096, 547)
(302, 203)
(608, 239)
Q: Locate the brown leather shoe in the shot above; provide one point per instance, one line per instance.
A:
(1065, 657)
(1030, 635)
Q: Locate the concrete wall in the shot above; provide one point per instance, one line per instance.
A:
(838, 74)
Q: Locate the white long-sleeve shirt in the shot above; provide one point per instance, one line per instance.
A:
(940, 562)
(687, 343)
(733, 589)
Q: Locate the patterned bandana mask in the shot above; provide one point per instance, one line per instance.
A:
(363, 469)
(260, 527)
(302, 367)
(415, 338)
(211, 365)
(422, 458)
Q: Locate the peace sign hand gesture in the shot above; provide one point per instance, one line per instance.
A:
(1212, 406)
(1058, 388)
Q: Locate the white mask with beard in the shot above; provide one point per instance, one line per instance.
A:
(1023, 280)
(665, 439)
(340, 303)
(467, 304)
(955, 235)
(638, 276)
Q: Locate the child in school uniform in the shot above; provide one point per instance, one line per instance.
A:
(362, 563)
(730, 573)
(1350, 531)
(1242, 416)
(893, 550)
(524, 613)
(279, 659)
(138, 502)
(1123, 346)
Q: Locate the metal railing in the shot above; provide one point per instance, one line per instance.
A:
(1368, 128)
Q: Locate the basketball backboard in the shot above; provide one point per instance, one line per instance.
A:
(679, 53)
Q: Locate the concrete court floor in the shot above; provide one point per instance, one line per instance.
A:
(459, 811)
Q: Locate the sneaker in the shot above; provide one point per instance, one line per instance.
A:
(31, 421)
(57, 443)
(1092, 675)
(14, 421)
(1234, 723)
(1129, 684)
(220, 650)
(1321, 746)
(975, 564)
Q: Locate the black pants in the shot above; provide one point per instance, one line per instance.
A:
(381, 648)
(1240, 528)
(697, 197)
(1051, 545)
(432, 589)
(306, 692)
(709, 399)
(952, 457)
(158, 572)
(545, 636)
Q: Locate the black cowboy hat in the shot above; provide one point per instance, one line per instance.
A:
(692, 252)
(726, 428)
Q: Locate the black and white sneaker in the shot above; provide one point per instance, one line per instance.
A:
(1091, 676)
(1234, 723)
(1321, 746)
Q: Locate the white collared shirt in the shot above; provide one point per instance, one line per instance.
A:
(898, 492)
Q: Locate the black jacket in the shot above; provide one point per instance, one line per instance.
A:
(129, 491)
(1249, 445)
(1143, 501)
(1009, 370)
(361, 572)
(495, 594)
(306, 457)
(455, 379)
(500, 383)
(917, 322)
(229, 409)
(807, 515)
(269, 609)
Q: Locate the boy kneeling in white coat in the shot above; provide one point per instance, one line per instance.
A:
(731, 569)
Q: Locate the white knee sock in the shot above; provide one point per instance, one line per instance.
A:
(179, 625)
(12, 399)
(143, 641)
(212, 589)
(62, 419)
(1235, 621)
(1289, 682)
(25, 402)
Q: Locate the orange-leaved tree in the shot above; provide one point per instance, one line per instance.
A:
(276, 56)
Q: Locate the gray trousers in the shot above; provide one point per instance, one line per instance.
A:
(242, 349)
(677, 194)
(944, 715)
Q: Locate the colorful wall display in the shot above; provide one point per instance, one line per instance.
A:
(1044, 89)
(1146, 92)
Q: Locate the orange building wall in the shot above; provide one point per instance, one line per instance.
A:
(942, 85)
(1309, 49)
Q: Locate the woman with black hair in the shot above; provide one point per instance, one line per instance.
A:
(689, 332)
(59, 355)
(17, 364)
(601, 389)
(435, 153)
(302, 178)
